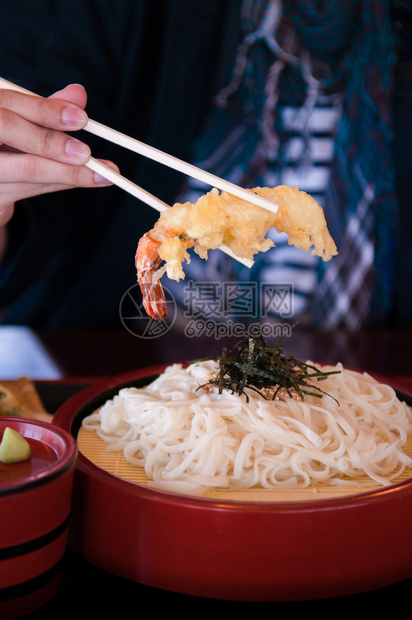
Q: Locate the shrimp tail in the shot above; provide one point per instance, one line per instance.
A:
(147, 262)
(154, 301)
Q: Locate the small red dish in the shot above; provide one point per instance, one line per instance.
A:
(35, 504)
(234, 550)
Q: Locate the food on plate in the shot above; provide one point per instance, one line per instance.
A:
(191, 433)
(9, 405)
(270, 372)
(14, 448)
(218, 219)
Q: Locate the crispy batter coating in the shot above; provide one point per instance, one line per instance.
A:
(221, 218)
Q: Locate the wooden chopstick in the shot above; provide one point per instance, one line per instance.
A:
(105, 171)
(112, 135)
(126, 184)
(152, 201)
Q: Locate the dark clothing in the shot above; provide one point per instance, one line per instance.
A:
(151, 69)
(148, 69)
(401, 314)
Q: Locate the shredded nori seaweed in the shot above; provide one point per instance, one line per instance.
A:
(266, 371)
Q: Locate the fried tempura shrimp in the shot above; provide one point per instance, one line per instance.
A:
(221, 218)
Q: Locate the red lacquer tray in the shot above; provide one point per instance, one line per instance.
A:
(231, 549)
(35, 503)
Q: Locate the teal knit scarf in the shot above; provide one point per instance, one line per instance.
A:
(289, 52)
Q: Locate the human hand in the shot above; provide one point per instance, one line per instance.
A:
(36, 156)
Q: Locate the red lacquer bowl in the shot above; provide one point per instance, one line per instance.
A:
(235, 550)
(35, 503)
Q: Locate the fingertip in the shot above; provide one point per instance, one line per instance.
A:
(74, 117)
(77, 151)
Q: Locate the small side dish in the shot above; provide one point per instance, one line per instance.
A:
(36, 482)
(14, 448)
(9, 404)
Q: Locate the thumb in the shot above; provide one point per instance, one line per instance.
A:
(73, 93)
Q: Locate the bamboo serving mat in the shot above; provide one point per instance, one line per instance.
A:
(22, 400)
(94, 449)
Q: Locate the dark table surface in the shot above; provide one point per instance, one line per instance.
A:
(82, 358)
(113, 352)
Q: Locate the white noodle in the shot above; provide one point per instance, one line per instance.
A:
(188, 439)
